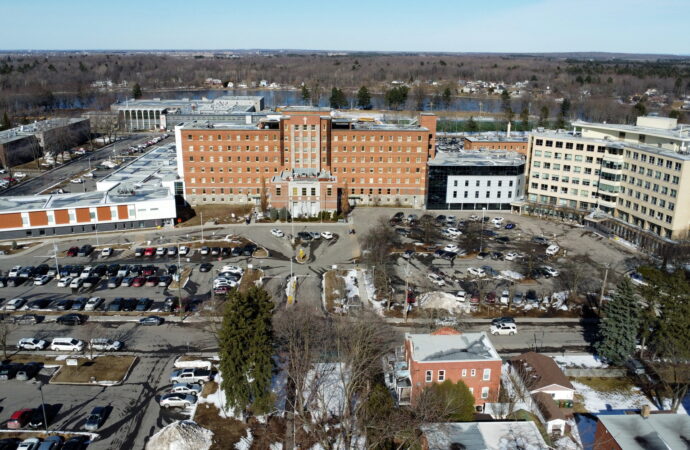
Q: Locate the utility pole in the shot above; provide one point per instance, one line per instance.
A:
(202, 227)
(481, 234)
(603, 286)
(43, 407)
(57, 266)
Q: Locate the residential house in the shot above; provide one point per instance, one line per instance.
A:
(482, 436)
(542, 385)
(448, 354)
(643, 431)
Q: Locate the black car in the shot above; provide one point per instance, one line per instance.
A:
(172, 269)
(100, 270)
(249, 249)
(3, 282)
(151, 320)
(91, 281)
(28, 371)
(496, 256)
(65, 270)
(113, 269)
(135, 270)
(503, 239)
(15, 281)
(169, 304)
(540, 240)
(305, 236)
(95, 419)
(224, 252)
(8, 371)
(71, 319)
(37, 416)
(440, 219)
(531, 296)
(143, 304)
(27, 319)
(129, 304)
(482, 255)
(41, 270)
(399, 215)
(205, 267)
(85, 250)
(499, 320)
(76, 443)
(9, 443)
(79, 303)
(489, 233)
(139, 252)
(114, 282)
(236, 251)
(63, 305)
(38, 304)
(116, 304)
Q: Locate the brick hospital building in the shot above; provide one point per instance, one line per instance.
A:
(305, 158)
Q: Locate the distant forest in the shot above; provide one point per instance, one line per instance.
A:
(36, 84)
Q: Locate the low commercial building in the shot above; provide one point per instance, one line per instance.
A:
(156, 113)
(496, 141)
(448, 354)
(25, 143)
(635, 178)
(475, 180)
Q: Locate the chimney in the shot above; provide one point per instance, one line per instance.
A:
(645, 411)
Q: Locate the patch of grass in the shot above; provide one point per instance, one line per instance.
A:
(23, 358)
(8, 250)
(613, 384)
(334, 286)
(102, 368)
(218, 213)
(249, 279)
(209, 388)
(226, 432)
(260, 253)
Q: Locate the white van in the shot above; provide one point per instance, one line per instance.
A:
(67, 344)
(552, 249)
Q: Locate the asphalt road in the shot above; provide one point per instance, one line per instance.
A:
(71, 170)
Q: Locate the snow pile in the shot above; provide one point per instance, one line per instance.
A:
(245, 442)
(596, 401)
(565, 443)
(440, 300)
(276, 446)
(351, 287)
(369, 286)
(509, 274)
(218, 399)
(580, 361)
(325, 390)
(181, 435)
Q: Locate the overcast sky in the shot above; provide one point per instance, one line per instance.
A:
(631, 26)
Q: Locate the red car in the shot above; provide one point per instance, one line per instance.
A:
(491, 298)
(149, 270)
(221, 290)
(475, 298)
(138, 281)
(150, 251)
(19, 418)
(73, 251)
(152, 281)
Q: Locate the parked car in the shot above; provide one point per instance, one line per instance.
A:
(205, 267)
(114, 282)
(14, 304)
(151, 281)
(93, 303)
(71, 319)
(150, 251)
(277, 233)
(205, 250)
(490, 298)
(104, 344)
(41, 416)
(476, 271)
(171, 251)
(138, 281)
(461, 296)
(550, 270)
(76, 283)
(552, 249)
(106, 252)
(505, 298)
(511, 256)
(27, 272)
(177, 400)
(32, 344)
(112, 270)
(161, 251)
(53, 442)
(15, 281)
(186, 388)
(518, 298)
(73, 251)
(91, 281)
(151, 320)
(29, 444)
(9, 371)
(19, 419)
(451, 248)
(505, 319)
(138, 252)
(95, 419)
(40, 281)
(143, 304)
(190, 375)
(66, 344)
(28, 371)
(327, 235)
(510, 226)
(76, 443)
(127, 281)
(437, 280)
(27, 319)
(503, 328)
(85, 250)
(184, 250)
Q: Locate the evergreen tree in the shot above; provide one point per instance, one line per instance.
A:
(454, 400)
(364, 98)
(524, 117)
(397, 96)
(543, 116)
(563, 114)
(506, 106)
(136, 91)
(306, 95)
(6, 124)
(446, 97)
(639, 109)
(245, 344)
(618, 329)
(472, 125)
(337, 99)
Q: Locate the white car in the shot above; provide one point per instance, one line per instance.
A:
(232, 269)
(15, 304)
(172, 251)
(511, 256)
(461, 296)
(14, 271)
(29, 444)
(497, 220)
(86, 273)
(451, 248)
(76, 181)
(505, 298)
(551, 271)
(186, 388)
(93, 303)
(31, 344)
(552, 249)
(88, 175)
(184, 250)
(454, 232)
(19, 175)
(437, 280)
(327, 235)
(161, 251)
(40, 281)
(637, 278)
(108, 251)
(105, 345)
(76, 283)
(476, 271)
(503, 328)
(177, 400)
(64, 282)
(277, 233)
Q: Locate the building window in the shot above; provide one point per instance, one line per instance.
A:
(464, 372)
(473, 372)
(429, 376)
(485, 392)
(487, 375)
(441, 375)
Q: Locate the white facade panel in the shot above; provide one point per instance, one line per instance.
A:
(484, 189)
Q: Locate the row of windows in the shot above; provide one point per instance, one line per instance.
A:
(649, 185)
(429, 375)
(229, 148)
(240, 180)
(563, 179)
(372, 138)
(248, 191)
(237, 137)
(651, 199)
(658, 175)
(477, 183)
(476, 194)
(658, 215)
(569, 145)
(566, 157)
(266, 137)
(654, 160)
(566, 168)
(390, 159)
(563, 190)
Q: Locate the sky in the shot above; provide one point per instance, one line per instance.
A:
(627, 26)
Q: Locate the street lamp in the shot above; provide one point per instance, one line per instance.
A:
(43, 407)
(481, 234)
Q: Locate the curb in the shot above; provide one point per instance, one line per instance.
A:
(116, 383)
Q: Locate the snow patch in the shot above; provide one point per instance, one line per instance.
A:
(245, 442)
(511, 275)
(218, 399)
(441, 300)
(596, 401)
(580, 361)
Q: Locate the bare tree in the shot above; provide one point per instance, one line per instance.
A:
(6, 327)
(471, 237)
(429, 229)
(264, 196)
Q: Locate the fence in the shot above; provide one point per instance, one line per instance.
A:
(593, 372)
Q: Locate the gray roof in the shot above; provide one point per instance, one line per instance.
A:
(225, 103)
(494, 137)
(658, 431)
(23, 131)
(484, 435)
(159, 164)
(477, 158)
(452, 347)
(679, 133)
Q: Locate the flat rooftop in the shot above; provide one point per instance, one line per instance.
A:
(658, 431)
(151, 168)
(452, 347)
(23, 131)
(225, 103)
(675, 132)
(477, 158)
(494, 137)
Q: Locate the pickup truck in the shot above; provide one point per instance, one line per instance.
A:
(190, 376)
